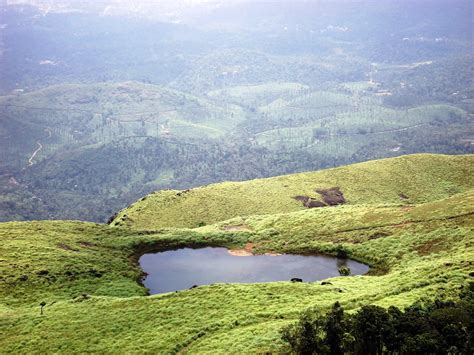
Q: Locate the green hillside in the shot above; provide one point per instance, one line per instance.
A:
(398, 181)
(86, 114)
(88, 277)
(286, 140)
(99, 146)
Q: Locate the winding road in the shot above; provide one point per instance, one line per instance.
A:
(30, 161)
(40, 146)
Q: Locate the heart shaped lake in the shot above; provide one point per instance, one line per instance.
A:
(183, 268)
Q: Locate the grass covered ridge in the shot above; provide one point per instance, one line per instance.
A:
(417, 251)
(397, 181)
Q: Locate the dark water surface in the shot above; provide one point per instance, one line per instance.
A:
(180, 269)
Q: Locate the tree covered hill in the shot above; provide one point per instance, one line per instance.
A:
(98, 109)
(98, 147)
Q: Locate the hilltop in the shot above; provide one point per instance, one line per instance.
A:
(401, 181)
(88, 277)
(409, 218)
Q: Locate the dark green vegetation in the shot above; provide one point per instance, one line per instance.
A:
(97, 110)
(84, 276)
(436, 328)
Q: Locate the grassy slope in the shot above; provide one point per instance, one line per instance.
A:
(426, 250)
(422, 178)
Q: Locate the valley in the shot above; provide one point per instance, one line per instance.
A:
(121, 113)
(236, 177)
(126, 124)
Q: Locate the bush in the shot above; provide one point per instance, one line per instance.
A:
(341, 252)
(344, 271)
(437, 328)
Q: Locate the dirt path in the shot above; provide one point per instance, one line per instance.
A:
(30, 161)
(40, 146)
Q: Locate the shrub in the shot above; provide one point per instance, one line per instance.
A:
(341, 252)
(438, 328)
(344, 271)
(306, 337)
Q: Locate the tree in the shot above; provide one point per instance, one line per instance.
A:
(306, 337)
(370, 328)
(441, 327)
(394, 336)
(42, 304)
(335, 329)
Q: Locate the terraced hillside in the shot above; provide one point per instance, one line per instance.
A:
(86, 277)
(401, 181)
(100, 146)
(68, 115)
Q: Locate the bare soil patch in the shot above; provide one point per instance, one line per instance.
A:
(87, 244)
(302, 198)
(273, 254)
(378, 235)
(309, 202)
(246, 251)
(332, 196)
(66, 247)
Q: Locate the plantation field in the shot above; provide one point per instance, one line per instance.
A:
(83, 115)
(100, 146)
(88, 278)
(256, 95)
(279, 116)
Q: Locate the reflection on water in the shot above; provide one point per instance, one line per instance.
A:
(180, 269)
(342, 262)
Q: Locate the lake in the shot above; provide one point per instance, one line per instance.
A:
(181, 269)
